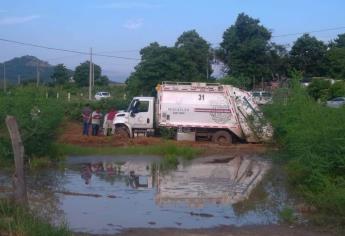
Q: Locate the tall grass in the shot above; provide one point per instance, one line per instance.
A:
(15, 220)
(166, 149)
(312, 138)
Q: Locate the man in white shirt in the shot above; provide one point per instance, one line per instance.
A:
(96, 121)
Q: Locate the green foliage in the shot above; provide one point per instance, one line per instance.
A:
(169, 162)
(15, 220)
(167, 133)
(73, 109)
(38, 119)
(308, 55)
(336, 58)
(164, 149)
(81, 75)
(278, 60)
(60, 74)
(189, 60)
(287, 215)
(312, 139)
(340, 41)
(323, 89)
(337, 89)
(245, 48)
(319, 89)
(239, 81)
(197, 49)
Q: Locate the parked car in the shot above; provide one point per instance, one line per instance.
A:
(102, 95)
(336, 102)
(262, 97)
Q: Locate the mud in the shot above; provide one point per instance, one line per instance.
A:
(260, 230)
(72, 134)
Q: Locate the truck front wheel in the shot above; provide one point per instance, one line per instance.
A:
(222, 137)
(121, 132)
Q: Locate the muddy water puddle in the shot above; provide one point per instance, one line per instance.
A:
(104, 195)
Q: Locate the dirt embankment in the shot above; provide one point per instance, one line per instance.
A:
(264, 230)
(72, 134)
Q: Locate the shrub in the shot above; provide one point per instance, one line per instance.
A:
(287, 215)
(312, 140)
(38, 119)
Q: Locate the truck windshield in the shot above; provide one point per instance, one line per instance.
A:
(130, 107)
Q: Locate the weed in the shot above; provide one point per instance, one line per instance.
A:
(312, 141)
(287, 215)
(15, 220)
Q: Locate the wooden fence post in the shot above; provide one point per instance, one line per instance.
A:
(19, 185)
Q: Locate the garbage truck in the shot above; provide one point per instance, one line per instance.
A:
(195, 110)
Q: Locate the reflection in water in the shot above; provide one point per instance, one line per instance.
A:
(133, 192)
(225, 183)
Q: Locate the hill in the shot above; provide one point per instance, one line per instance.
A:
(26, 67)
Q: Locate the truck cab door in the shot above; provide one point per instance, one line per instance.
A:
(141, 115)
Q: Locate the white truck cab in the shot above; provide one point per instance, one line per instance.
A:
(138, 118)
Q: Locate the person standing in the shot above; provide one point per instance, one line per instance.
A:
(96, 121)
(108, 121)
(86, 115)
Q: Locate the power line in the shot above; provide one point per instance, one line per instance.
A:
(299, 33)
(66, 50)
(314, 31)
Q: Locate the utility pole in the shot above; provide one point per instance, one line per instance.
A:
(93, 74)
(90, 75)
(207, 68)
(18, 79)
(5, 77)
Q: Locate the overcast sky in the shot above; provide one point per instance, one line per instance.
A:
(123, 27)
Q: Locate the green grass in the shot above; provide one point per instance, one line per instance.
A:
(165, 149)
(16, 220)
(312, 141)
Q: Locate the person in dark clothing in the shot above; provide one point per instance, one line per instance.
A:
(86, 115)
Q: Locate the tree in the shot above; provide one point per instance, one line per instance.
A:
(197, 50)
(336, 58)
(340, 41)
(160, 63)
(81, 74)
(308, 55)
(60, 74)
(244, 48)
(103, 80)
(278, 61)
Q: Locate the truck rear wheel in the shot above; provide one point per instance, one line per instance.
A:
(222, 137)
(122, 132)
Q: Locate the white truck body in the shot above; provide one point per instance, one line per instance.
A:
(198, 108)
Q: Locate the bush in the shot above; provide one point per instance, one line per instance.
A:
(324, 90)
(167, 133)
(319, 89)
(287, 215)
(38, 119)
(312, 140)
